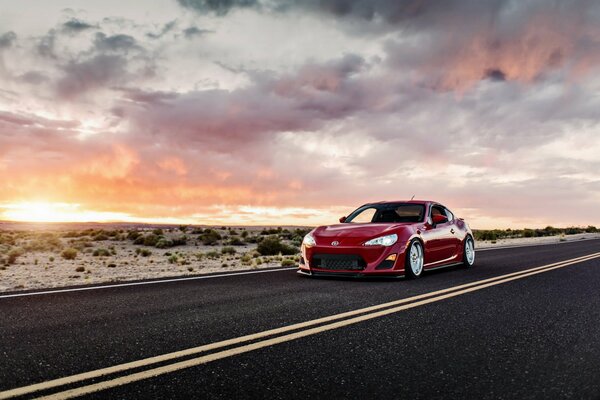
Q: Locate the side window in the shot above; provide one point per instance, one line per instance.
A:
(437, 210)
(365, 216)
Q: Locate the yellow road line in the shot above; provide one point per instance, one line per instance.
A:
(234, 341)
(280, 339)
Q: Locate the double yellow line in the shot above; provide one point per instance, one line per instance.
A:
(244, 344)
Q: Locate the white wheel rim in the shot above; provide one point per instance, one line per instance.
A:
(416, 258)
(470, 251)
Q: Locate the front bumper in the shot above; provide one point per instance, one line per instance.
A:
(308, 272)
(354, 261)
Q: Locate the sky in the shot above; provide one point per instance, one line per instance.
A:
(295, 112)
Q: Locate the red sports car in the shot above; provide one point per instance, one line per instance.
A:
(389, 238)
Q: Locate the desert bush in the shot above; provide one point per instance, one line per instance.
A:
(272, 245)
(213, 254)
(228, 250)
(143, 252)
(8, 239)
(111, 265)
(528, 233)
(210, 237)
(573, 230)
(235, 241)
(148, 240)
(173, 259)
(101, 253)
(71, 234)
(133, 235)
(244, 234)
(271, 231)
(79, 269)
(180, 240)
(253, 239)
(69, 254)
(287, 262)
(13, 255)
(163, 243)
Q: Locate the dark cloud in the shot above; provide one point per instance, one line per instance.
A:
(100, 71)
(390, 11)
(33, 77)
(219, 7)
(7, 40)
(75, 25)
(145, 97)
(46, 44)
(115, 43)
(454, 43)
(168, 27)
(193, 32)
(495, 74)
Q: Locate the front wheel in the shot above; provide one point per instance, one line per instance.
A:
(469, 252)
(413, 265)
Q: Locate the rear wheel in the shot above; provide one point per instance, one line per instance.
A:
(469, 252)
(413, 265)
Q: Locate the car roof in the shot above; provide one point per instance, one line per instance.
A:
(403, 201)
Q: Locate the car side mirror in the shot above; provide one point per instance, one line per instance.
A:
(439, 219)
(343, 219)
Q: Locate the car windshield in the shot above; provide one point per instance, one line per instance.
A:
(388, 212)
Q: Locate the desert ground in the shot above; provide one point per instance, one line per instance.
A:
(56, 257)
(34, 256)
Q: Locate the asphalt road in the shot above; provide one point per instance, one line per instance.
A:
(469, 334)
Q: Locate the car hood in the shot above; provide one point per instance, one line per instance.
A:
(357, 231)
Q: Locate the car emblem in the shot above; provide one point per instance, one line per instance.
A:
(335, 243)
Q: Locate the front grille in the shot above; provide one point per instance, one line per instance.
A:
(348, 262)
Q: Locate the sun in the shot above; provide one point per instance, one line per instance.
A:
(54, 212)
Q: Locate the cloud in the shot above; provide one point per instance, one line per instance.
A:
(7, 40)
(225, 120)
(98, 72)
(219, 7)
(45, 45)
(193, 32)
(75, 25)
(482, 105)
(168, 27)
(33, 77)
(115, 43)
(453, 44)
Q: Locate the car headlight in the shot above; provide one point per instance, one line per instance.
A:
(383, 241)
(309, 240)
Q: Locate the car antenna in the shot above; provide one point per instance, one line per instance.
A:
(412, 198)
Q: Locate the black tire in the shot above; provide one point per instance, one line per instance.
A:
(409, 272)
(468, 261)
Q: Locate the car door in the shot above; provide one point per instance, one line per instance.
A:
(455, 239)
(439, 239)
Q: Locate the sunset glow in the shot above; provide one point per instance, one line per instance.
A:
(200, 112)
(55, 212)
